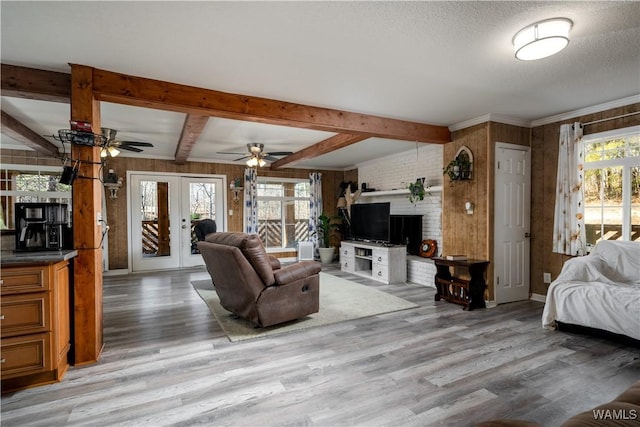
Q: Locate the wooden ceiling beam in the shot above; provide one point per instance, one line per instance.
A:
(142, 92)
(333, 143)
(191, 131)
(18, 131)
(30, 83)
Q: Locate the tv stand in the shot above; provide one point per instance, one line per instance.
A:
(378, 261)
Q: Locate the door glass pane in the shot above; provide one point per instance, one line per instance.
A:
(202, 205)
(154, 204)
(635, 203)
(270, 223)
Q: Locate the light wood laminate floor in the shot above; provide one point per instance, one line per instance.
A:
(167, 362)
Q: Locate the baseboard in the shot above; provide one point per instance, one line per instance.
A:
(538, 297)
(118, 272)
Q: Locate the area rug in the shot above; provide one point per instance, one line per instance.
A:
(340, 300)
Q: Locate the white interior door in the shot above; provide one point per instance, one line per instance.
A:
(512, 219)
(163, 211)
(202, 198)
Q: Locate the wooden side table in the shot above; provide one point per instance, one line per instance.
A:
(468, 292)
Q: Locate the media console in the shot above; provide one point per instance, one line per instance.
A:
(385, 263)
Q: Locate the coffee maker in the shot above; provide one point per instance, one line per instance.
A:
(43, 227)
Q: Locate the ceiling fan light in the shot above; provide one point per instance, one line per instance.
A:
(252, 162)
(261, 163)
(109, 152)
(542, 39)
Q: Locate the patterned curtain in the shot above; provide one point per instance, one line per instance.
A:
(568, 221)
(251, 201)
(315, 205)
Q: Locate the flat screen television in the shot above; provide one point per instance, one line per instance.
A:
(370, 221)
(406, 230)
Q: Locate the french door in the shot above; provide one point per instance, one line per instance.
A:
(163, 212)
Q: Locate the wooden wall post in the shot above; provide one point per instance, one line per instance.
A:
(87, 232)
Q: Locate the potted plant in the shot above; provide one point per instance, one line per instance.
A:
(417, 191)
(458, 168)
(325, 228)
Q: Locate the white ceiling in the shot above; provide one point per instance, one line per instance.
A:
(440, 63)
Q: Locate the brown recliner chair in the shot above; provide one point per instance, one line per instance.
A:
(253, 285)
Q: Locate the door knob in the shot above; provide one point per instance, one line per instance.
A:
(527, 234)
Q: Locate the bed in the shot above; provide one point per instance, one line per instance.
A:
(600, 291)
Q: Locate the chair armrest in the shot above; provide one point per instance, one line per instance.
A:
(275, 263)
(297, 271)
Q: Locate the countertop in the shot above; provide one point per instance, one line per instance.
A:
(41, 257)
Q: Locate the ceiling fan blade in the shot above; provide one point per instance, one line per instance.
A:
(226, 152)
(270, 158)
(279, 153)
(136, 143)
(129, 148)
(241, 158)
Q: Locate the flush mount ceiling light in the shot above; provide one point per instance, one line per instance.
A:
(542, 39)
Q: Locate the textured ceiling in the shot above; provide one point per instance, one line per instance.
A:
(433, 62)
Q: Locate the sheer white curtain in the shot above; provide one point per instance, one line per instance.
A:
(568, 220)
(251, 201)
(315, 205)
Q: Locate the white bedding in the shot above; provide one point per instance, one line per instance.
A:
(601, 290)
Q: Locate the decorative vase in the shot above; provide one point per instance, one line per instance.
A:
(326, 254)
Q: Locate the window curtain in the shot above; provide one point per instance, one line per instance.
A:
(315, 205)
(568, 220)
(251, 201)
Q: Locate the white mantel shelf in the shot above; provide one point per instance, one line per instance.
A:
(399, 192)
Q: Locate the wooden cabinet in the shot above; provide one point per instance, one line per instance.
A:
(465, 286)
(34, 314)
(384, 263)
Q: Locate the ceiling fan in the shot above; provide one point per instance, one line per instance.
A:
(256, 156)
(112, 147)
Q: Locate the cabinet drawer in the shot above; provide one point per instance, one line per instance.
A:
(347, 251)
(15, 280)
(25, 355)
(25, 314)
(348, 264)
(381, 258)
(380, 272)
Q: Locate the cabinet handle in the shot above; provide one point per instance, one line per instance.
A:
(379, 273)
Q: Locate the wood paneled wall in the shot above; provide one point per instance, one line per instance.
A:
(544, 163)
(27, 157)
(472, 235)
(117, 209)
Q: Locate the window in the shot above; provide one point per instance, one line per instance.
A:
(612, 185)
(283, 212)
(29, 183)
